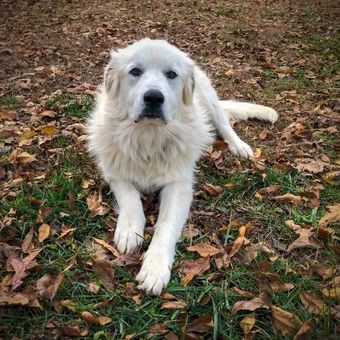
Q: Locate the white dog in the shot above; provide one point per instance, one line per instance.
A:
(155, 114)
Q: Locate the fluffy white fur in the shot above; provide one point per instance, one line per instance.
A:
(144, 155)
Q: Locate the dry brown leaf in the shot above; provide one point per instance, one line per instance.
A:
(13, 299)
(192, 268)
(277, 286)
(173, 304)
(309, 165)
(104, 270)
(94, 203)
(304, 240)
(43, 213)
(92, 288)
(263, 134)
(247, 323)
(262, 301)
(244, 293)
(49, 130)
(324, 272)
(332, 292)
(285, 322)
(73, 330)
(202, 324)
(69, 304)
(127, 260)
(28, 135)
(107, 246)
(212, 190)
(23, 158)
(290, 198)
(44, 232)
(27, 243)
(47, 113)
(48, 284)
(158, 329)
(312, 303)
(90, 318)
(270, 189)
(171, 336)
(104, 320)
(333, 215)
(204, 249)
(304, 331)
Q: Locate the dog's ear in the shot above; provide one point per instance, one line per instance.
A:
(111, 75)
(189, 87)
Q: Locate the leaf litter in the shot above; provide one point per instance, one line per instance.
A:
(35, 132)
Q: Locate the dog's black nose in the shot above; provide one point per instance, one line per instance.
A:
(153, 98)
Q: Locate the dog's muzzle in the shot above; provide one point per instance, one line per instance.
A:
(153, 102)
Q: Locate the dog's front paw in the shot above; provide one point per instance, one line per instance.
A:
(128, 235)
(154, 274)
(242, 149)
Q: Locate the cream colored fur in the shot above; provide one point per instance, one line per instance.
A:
(146, 155)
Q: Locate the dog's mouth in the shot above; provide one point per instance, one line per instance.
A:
(151, 114)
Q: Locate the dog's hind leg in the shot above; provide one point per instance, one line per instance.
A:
(220, 119)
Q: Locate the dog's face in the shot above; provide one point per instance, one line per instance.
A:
(150, 81)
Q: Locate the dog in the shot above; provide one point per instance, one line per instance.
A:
(155, 113)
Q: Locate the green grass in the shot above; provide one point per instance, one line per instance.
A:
(71, 105)
(10, 102)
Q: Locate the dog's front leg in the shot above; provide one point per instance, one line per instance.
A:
(131, 219)
(174, 209)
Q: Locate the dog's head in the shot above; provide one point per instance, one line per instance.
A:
(150, 80)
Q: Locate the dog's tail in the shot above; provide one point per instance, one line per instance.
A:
(244, 111)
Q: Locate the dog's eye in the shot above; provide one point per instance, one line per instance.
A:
(136, 72)
(171, 74)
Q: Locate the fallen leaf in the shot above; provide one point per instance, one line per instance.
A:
(47, 113)
(212, 190)
(104, 270)
(44, 232)
(244, 293)
(204, 249)
(304, 240)
(104, 320)
(262, 301)
(13, 299)
(49, 130)
(202, 324)
(48, 284)
(28, 135)
(278, 286)
(73, 330)
(192, 268)
(27, 242)
(333, 215)
(43, 213)
(107, 246)
(90, 318)
(309, 165)
(304, 331)
(92, 288)
(247, 323)
(23, 158)
(270, 189)
(94, 203)
(127, 260)
(158, 329)
(263, 134)
(332, 292)
(69, 304)
(173, 304)
(312, 303)
(290, 198)
(285, 322)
